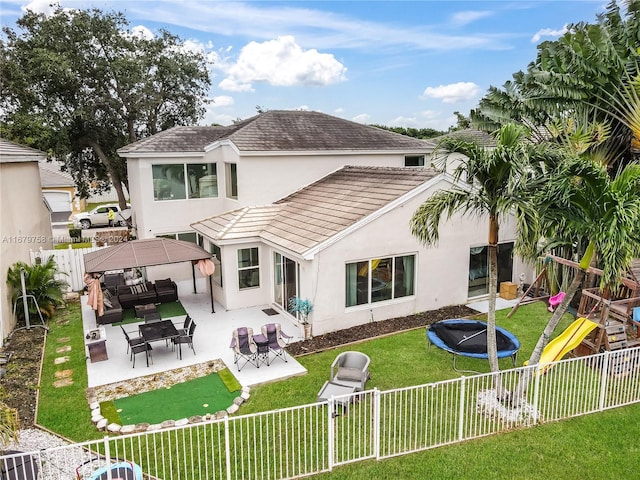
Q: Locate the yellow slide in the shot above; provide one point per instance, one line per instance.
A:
(565, 342)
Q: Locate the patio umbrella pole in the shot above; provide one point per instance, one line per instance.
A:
(213, 310)
(193, 274)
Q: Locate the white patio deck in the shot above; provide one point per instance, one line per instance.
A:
(211, 341)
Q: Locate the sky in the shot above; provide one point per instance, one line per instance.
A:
(393, 63)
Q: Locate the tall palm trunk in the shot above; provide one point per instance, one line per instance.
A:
(492, 348)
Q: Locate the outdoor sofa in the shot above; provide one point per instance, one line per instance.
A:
(131, 295)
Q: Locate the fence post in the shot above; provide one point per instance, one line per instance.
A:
(604, 379)
(461, 416)
(107, 456)
(536, 391)
(227, 447)
(376, 423)
(330, 433)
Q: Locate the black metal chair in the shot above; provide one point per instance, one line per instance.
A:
(187, 338)
(185, 326)
(244, 347)
(131, 340)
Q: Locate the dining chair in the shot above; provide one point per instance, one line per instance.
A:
(131, 340)
(152, 317)
(188, 339)
(142, 348)
(185, 326)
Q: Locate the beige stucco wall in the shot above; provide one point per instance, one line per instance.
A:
(25, 223)
(262, 179)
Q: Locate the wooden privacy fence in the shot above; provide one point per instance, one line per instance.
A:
(70, 263)
(308, 439)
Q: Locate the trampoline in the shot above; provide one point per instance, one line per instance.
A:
(469, 339)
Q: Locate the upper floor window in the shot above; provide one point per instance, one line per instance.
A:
(181, 181)
(231, 175)
(414, 161)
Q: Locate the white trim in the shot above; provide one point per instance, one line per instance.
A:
(309, 254)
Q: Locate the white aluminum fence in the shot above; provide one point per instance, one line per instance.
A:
(70, 263)
(314, 438)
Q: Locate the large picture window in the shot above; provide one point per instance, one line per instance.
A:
(182, 181)
(379, 279)
(248, 268)
(479, 268)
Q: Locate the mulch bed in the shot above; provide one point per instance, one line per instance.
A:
(19, 384)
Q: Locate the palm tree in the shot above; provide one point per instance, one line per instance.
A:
(488, 182)
(40, 282)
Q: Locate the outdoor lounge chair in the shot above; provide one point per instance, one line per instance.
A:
(244, 347)
(277, 339)
(185, 338)
(350, 369)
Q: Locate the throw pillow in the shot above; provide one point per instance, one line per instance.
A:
(143, 288)
(136, 289)
(345, 373)
(107, 303)
(106, 293)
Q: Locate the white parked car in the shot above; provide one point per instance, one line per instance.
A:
(99, 217)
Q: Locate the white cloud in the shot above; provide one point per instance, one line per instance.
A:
(281, 62)
(469, 16)
(142, 32)
(548, 32)
(338, 110)
(453, 93)
(362, 118)
(222, 101)
(41, 6)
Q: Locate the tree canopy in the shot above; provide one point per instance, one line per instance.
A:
(81, 84)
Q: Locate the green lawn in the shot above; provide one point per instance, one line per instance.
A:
(594, 446)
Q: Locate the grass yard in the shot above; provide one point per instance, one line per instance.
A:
(594, 446)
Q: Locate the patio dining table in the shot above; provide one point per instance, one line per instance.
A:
(155, 331)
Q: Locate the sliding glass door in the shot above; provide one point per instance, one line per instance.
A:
(285, 282)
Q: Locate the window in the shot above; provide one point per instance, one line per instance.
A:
(182, 181)
(414, 161)
(379, 279)
(479, 268)
(231, 175)
(192, 237)
(217, 261)
(248, 268)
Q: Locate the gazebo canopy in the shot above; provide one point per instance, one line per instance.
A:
(143, 253)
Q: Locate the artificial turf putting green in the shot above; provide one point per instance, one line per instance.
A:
(199, 396)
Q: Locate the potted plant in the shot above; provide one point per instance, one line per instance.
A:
(302, 308)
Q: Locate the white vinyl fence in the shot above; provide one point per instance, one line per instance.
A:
(70, 263)
(314, 438)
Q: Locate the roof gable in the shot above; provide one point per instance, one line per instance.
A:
(11, 152)
(305, 220)
(280, 131)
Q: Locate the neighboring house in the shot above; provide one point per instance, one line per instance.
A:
(25, 221)
(184, 174)
(344, 243)
(59, 189)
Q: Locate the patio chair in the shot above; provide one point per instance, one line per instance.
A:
(277, 339)
(152, 317)
(244, 347)
(131, 340)
(141, 348)
(185, 326)
(351, 369)
(185, 338)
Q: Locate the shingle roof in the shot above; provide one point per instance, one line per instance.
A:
(52, 176)
(280, 130)
(318, 212)
(11, 152)
(482, 138)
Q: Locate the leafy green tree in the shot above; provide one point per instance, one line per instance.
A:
(494, 184)
(40, 282)
(588, 66)
(79, 85)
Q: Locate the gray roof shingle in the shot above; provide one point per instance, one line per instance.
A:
(11, 152)
(319, 211)
(280, 130)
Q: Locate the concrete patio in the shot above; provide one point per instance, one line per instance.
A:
(211, 341)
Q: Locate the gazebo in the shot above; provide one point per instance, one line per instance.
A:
(150, 252)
